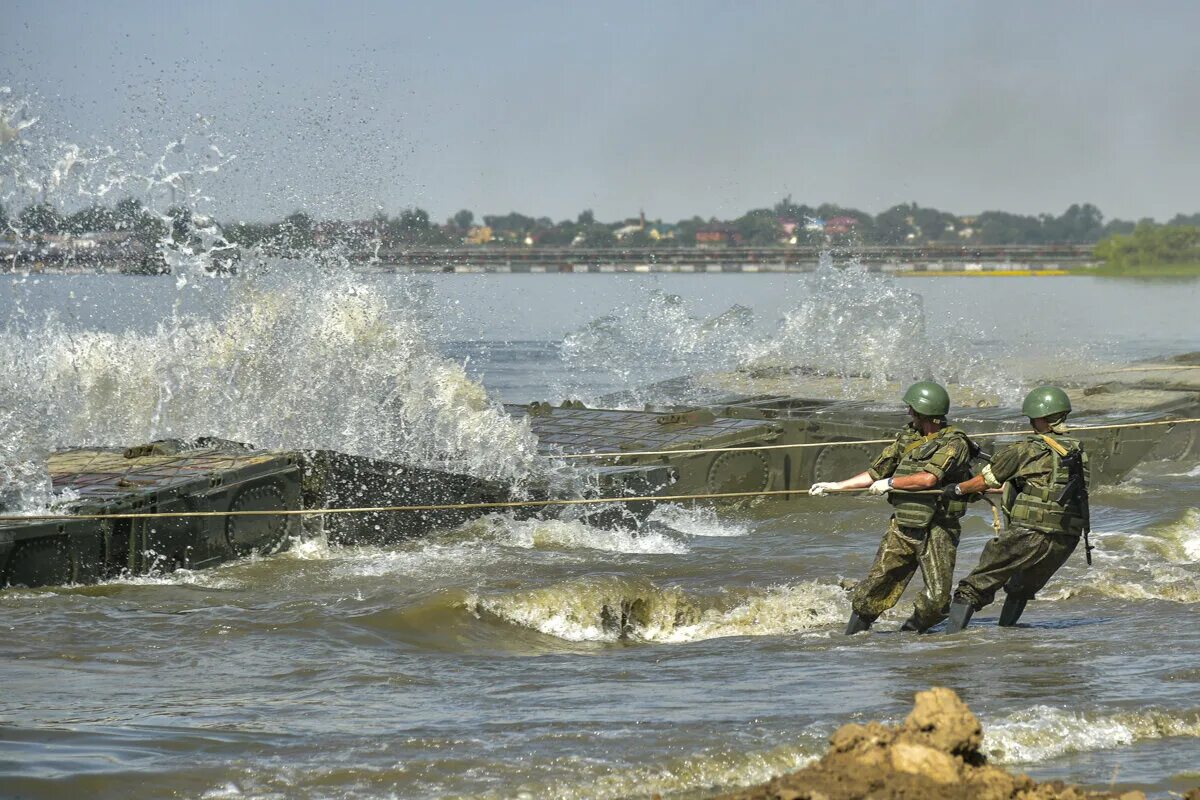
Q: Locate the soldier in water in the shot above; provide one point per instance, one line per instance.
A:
(924, 528)
(1045, 481)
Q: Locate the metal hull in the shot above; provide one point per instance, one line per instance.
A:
(214, 478)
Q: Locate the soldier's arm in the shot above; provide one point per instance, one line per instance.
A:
(916, 482)
(860, 481)
(883, 466)
(1003, 466)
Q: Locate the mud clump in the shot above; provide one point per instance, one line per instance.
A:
(934, 755)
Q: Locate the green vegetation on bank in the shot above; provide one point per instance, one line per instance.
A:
(1151, 250)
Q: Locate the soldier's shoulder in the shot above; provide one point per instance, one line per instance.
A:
(1022, 450)
(955, 437)
(1032, 448)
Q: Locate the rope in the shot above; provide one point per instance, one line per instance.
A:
(797, 445)
(309, 512)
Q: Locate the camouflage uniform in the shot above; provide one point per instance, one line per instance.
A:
(1041, 534)
(923, 531)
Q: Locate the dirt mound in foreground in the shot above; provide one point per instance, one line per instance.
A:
(934, 755)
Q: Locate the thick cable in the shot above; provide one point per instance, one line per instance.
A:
(314, 512)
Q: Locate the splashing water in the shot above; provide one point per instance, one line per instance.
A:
(852, 324)
(297, 357)
(321, 362)
(658, 337)
(849, 323)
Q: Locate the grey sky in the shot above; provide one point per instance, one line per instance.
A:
(677, 108)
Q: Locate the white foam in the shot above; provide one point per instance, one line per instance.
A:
(429, 559)
(558, 534)
(208, 578)
(696, 521)
(1129, 486)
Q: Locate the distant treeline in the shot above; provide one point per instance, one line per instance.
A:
(785, 223)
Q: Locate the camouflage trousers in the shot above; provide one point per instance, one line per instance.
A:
(900, 553)
(1021, 560)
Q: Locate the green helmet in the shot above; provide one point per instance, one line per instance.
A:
(928, 399)
(1045, 401)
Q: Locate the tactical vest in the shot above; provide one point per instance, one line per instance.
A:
(1035, 504)
(919, 510)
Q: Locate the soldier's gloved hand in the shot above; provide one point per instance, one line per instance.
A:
(821, 489)
(880, 487)
(952, 492)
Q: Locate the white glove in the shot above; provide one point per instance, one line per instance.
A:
(821, 489)
(880, 487)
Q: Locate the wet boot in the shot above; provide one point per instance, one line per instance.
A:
(1013, 606)
(960, 615)
(913, 624)
(858, 624)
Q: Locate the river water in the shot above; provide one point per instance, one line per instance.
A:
(476, 662)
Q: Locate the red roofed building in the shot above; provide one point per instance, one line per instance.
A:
(835, 226)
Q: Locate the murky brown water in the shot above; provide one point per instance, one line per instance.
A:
(477, 663)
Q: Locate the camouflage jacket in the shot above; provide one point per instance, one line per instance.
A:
(1035, 476)
(1021, 461)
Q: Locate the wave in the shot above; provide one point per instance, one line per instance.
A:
(1179, 541)
(1173, 586)
(607, 609)
(558, 534)
(1044, 732)
(698, 772)
(1157, 563)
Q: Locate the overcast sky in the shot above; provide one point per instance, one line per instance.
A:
(676, 108)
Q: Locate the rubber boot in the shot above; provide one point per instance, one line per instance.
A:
(960, 615)
(911, 624)
(1013, 606)
(858, 624)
